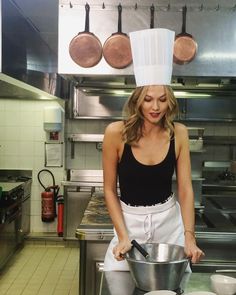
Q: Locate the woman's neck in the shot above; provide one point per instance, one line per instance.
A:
(151, 129)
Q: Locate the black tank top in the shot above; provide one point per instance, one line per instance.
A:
(145, 185)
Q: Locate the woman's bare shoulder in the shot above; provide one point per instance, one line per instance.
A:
(180, 130)
(114, 128)
(113, 136)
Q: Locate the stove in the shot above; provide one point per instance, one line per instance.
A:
(13, 178)
(14, 210)
(11, 192)
(15, 184)
(14, 194)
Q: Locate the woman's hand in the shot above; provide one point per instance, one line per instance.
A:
(191, 249)
(121, 248)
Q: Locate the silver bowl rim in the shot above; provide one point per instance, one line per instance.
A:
(185, 259)
(156, 262)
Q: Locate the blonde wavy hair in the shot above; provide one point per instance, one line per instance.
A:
(133, 117)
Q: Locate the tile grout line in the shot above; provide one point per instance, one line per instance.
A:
(62, 271)
(61, 265)
(37, 267)
(15, 278)
(59, 275)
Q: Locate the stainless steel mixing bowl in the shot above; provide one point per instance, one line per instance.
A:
(162, 270)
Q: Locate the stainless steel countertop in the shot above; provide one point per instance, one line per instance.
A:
(227, 185)
(120, 282)
(9, 186)
(96, 213)
(96, 224)
(218, 244)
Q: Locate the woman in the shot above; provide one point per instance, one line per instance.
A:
(143, 151)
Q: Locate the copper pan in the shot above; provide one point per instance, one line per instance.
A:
(85, 48)
(185, 46)
(116, 49)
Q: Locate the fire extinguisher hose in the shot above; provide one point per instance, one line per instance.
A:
(53, 178)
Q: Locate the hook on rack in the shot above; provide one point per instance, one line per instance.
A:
(152, 10)
(136, 6)
(165, 8)
(71, 6)
(234, 7)
(217, 7)
(201, 7)
(103, 5)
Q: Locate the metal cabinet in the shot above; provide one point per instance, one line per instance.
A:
(93, 245)
(75, 205)
(214, 108)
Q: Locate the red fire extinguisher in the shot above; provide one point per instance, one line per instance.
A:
(60, 215)
(48, 199)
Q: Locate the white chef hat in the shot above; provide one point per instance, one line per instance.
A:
(152, 53)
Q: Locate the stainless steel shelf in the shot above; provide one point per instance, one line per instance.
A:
(98, 139)
(220, 140)
(79, 137)
(198, 151)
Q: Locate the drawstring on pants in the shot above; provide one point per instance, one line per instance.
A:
(147, 226)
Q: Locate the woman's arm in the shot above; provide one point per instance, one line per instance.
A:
(111, 144)
(185, 192)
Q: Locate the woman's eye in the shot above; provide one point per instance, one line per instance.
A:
(147, 99)
(163, 99)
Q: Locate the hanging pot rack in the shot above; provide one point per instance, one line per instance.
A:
(163, 8)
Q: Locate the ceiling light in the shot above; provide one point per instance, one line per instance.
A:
(183, 94)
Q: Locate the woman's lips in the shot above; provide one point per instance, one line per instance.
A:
(154, 115)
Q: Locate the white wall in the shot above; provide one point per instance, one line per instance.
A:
(22, 140)
(86, 154)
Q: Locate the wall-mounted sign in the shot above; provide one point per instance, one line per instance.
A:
(53, 154)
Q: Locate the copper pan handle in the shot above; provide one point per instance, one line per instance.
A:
(152, 10)
(119, 18)
(184, 19)
(87, 9)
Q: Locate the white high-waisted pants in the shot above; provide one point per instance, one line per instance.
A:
(161, 223)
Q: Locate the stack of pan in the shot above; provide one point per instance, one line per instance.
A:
(86, 50)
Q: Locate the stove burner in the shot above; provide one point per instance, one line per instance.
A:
(10, 178)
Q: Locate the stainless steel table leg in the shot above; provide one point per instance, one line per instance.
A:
(82, 267)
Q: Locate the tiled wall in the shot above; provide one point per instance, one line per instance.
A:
(22, 139)
(86, 154)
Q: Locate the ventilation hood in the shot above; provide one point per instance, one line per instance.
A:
(27, 65)
(211, 24)
(184, 87)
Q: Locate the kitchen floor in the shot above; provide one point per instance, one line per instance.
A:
(42, 268)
